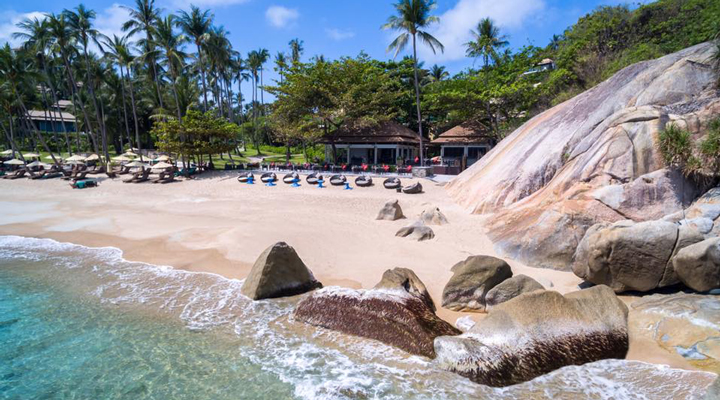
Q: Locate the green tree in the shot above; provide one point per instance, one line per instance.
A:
(412, 17)
(196, 25)
(296, 50)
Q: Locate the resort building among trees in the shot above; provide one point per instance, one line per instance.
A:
(52, 120)
(463, 145)
(385, 143)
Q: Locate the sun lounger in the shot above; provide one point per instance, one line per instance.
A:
(144, 177)
(413, 189)
(363, 181)
(244, 177)
(16, 175)
(169, 178)
(338, 180)
(268, 177)
(84, 184)
(291, 177)
(392, 183)
(313, 178)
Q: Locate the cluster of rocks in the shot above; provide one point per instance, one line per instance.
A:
(417, 230)
(680, 248)
(528, 332)
(480, 282)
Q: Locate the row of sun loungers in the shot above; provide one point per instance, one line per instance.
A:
(335, 180)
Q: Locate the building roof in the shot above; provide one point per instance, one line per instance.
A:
(41, 115)
(463, 134)
(546, 61)
(63, 103)
(383, 133)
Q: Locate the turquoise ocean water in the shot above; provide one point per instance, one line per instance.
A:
(83, 323)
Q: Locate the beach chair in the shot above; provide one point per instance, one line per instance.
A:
(244, 177)
(338, 180)
(392, 183)
(413, 189)
(84, 184)
(16, 175)
(134, 176)
(363, 181)
(268, 177)
(313, 178)
(291, 177)
(144, 177)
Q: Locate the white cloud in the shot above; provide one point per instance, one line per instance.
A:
(338, 34)
(184, 4)
(8, 25)
(110, 21)
(453, 30)
(281, 17)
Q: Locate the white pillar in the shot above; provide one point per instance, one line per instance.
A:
(465, 149)
(375, 151)
(348, 154)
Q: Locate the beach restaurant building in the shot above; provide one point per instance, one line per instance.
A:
(385, 143)
(463, 145)
(55, 119)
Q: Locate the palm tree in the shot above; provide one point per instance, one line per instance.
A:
(281, 64)
(119, 52)
(171, 56)
(254, 64)
(80, 23)
(196, 25)
(115, 48)
(296, 50)
(486, 42)
(36, 34)
(19, 78)
(555, 41)
(438, 73)
(412, 17)
(142, 19)
(263, 57)
(64, 46)
(240, 71)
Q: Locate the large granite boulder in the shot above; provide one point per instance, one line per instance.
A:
(417, 230)
(406, 280)
(628, 256)
(391, 211)
(278, 272)
(432, 215)
(698, 265)
(511, 288)
(394, 317)
(593, 158)
(471, 281)
(536, 333)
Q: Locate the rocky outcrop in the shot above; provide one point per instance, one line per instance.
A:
(404, 279)
(684, 324)
(471, 281)
(698, 265)
(391, 211)
(278, 272)
(417, 231)
(629, 256)
(511, 288)
(591, 159)
(392, 316)
(432, 215)
(536, 333)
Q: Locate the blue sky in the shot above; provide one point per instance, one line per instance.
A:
(337, 28)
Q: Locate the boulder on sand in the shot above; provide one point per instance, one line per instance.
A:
(278, 272)
(432, 216)
(391, 211)
(393, 314)
(511, 288)
(417, 231)
(628, 256)
(698, 265)
(405, 279)
(536, 333)
(471, 281)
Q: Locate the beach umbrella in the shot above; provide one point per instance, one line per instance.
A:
(136, 164)
(51, 157)
(162, 165)
(129, 153)
(6, 152)
(121, 158)
(14, 161)
(76, 157)
(34, 164)
(163, 158)
(31, 155)
(92, 157)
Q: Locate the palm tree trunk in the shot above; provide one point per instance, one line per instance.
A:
(89, 84)
(55, 101)
(228, 96)
(125, 114)
(202, 73)
(417, 101)
(37, 133)
(73, 89)
(134, 110)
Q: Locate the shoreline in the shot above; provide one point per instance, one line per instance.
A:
(205, 234)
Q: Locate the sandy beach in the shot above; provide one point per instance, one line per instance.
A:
(215, 224)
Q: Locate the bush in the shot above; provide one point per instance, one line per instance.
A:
(676, 147)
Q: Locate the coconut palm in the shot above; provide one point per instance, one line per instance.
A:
(80, 22)
(486, 42)
(196, 25)
(220, 54)
(281, 64)
(438, 73)
(37, 38)
(171, 56)
(241, 74)
(412, 17)
(115, 49)
(263, 56)
(296, 50)
(143, 19)
(118, 51)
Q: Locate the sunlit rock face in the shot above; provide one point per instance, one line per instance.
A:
(591, 159)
